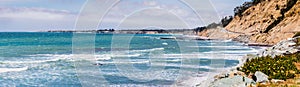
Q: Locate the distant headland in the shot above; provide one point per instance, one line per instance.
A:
(134, 31)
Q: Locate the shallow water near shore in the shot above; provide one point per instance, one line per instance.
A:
(47, 59)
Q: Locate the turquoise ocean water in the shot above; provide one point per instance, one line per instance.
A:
(47, 59)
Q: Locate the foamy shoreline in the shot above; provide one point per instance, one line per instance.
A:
(198, 81)
(288, 46)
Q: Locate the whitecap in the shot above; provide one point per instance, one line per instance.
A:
(49, 58)
(3, 70)
(201, 56)
(233, 52)
(231, 47)
(164, 43)
(123, 62)
(35, 61)
(189, 66)
(147, 50)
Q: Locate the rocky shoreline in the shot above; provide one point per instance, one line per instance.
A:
(269, 23)
(237, 78)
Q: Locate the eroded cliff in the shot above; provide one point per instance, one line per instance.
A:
(268, 22)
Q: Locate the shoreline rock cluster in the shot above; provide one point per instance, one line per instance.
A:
(262, 23)
(239, 79)
(284, 47)
(236, 78)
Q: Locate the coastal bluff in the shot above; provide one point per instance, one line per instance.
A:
(265, 22)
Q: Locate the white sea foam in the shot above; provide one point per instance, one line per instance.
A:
(174, 60)
(164, 43)
(129, 53)
(196, 66)
(233, 52)
(34, 61)
(42, 58)
(103, 57)
(201, 56)
(110, 56)
(147, 50)
(48, 58)
(123, 62)
(231, 47)
(3, 70)
(235, 55)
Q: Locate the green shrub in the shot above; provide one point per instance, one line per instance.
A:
(298, 41)
(280, 67)
(297, 34)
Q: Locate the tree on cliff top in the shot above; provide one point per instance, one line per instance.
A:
(238, 11)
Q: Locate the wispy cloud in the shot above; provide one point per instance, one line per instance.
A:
(151, 13)
(40, 15)
(35, 19)
(34, 13)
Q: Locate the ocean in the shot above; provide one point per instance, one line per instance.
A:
(87, 59)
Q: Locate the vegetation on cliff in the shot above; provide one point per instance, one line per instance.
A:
(224, 22)
(280, 67)
(289, 5)
(210, 26)
(239, 10)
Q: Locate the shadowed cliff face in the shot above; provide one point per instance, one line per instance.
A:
(269, 21)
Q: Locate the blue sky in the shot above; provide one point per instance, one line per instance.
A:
(43, 15)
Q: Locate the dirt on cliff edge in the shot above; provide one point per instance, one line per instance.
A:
(268, 22)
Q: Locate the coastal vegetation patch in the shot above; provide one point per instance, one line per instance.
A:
(280, 67)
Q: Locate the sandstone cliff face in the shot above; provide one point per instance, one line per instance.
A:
(218, 33)
(269, 21)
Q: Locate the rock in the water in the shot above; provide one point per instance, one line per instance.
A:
(261, 77)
